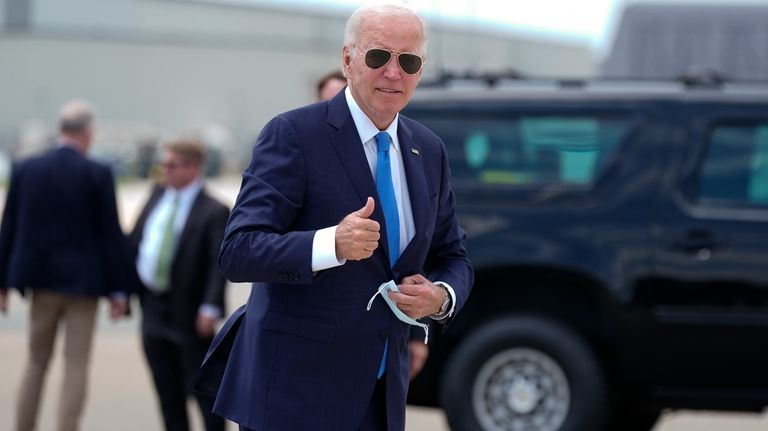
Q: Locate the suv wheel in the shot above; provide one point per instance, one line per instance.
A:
(523, 374)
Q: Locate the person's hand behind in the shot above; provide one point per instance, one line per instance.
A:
(3, 301)
(357, 236)
(205, 325)
(419, 353)
(118, 308)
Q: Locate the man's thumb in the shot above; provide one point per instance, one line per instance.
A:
(367, 210)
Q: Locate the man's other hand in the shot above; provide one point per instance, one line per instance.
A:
(3, 301)
(418, 297)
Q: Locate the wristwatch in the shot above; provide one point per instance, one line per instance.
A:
(446, 302)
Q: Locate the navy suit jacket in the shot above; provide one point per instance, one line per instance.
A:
(60, 227)
(303, 353)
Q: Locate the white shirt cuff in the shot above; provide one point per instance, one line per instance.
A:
(324, 250)
(119, 296)
(442, 317)
(210, 310)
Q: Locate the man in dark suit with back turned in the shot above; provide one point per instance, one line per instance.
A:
(61, 243)
(341, 198)
(176, 241)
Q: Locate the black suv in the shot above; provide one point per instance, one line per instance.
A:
(619, 234)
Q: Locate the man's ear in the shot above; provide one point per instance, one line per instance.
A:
(346, 57)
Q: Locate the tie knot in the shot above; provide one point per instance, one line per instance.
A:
(382, 142)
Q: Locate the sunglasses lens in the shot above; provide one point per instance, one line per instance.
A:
(376, 58)
(410, 63)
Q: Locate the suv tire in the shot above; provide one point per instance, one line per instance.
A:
(523, 373)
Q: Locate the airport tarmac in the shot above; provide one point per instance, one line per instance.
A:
(121, 397)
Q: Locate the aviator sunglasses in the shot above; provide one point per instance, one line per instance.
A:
(376, 58)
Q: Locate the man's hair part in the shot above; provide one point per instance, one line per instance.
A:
(386, 8)
(190, 150)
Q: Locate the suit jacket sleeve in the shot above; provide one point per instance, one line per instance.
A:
(114, 244)
(448, 260)
(258, 242)
(8, 228)
(214, 234)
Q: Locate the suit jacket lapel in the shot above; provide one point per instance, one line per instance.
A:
(346, 141)
(194, 212)
(413, 165)
(138, 229)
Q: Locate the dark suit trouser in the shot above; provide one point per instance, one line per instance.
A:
(173, 365)
(375, 418)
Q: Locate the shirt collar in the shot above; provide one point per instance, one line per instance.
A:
(70, 145)
(365, 127)
(185, 194)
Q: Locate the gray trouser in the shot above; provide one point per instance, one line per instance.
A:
(77, 314)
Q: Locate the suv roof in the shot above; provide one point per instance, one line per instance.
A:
(702, 85)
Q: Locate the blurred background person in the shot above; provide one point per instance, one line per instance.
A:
(176, 243)
(330, 84)
(61, 242)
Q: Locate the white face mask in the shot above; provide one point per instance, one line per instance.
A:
(390, 285)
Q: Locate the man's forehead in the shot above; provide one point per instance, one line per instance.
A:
(384, 37)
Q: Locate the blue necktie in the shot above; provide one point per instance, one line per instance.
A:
(388, 203)
(386, 192)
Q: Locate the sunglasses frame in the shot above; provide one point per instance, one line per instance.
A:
(392, 53)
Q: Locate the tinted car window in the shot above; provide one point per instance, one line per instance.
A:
(734, 171)
(528, 150)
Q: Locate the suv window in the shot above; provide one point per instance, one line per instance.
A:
(529, 150)
(735, 168)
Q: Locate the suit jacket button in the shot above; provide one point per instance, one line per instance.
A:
(384, 334)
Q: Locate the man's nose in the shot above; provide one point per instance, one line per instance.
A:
(392, 69)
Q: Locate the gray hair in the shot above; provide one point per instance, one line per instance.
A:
(388, 8)
(75, 116)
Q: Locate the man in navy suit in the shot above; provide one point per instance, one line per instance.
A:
(175, 242)
(327, 87)
(340, 198)
(61, 242)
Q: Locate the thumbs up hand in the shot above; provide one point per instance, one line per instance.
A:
(357, 236)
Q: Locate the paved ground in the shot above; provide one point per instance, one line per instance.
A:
(121, 397)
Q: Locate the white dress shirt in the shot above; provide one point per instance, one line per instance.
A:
(324, 242)
(152, 236)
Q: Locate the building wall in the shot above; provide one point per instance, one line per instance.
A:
(664, 41)
(155, 68)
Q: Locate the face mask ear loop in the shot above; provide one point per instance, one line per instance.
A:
(425, 327)
(390, 285)
(381, 290)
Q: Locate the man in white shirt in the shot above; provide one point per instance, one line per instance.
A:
(176, 240)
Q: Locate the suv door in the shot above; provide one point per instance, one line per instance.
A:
(710, 289)
(559, 183)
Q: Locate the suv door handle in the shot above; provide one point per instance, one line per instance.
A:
(697, 241)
